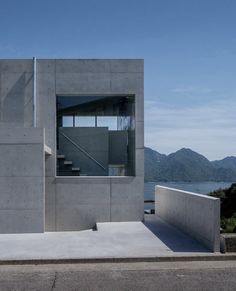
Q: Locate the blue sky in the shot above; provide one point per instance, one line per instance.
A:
(189, 48)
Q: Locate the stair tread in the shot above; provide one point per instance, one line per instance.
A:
(75, 169)
(60, 156)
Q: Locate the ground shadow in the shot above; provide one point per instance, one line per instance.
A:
(173, 238)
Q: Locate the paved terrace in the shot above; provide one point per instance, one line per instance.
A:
(153, 238)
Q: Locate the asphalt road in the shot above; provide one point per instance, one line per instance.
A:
(121, 276)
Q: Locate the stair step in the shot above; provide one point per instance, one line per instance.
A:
(68, 163)
(60, 156)
(75, 169)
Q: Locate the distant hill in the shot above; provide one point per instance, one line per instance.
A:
(226, 163)
(188, 166)
(152, 162)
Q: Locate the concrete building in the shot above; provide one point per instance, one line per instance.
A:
(71, 143)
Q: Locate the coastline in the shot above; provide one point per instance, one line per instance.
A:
(203, 187)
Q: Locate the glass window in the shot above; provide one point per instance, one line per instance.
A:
(95, 135)
(107, 121)
(85, 121)
(67, 121)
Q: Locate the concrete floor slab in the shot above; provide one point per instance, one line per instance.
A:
(154, 238)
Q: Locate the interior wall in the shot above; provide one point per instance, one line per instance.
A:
(118, 140)
(92, 140)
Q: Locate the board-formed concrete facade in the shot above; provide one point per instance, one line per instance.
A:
(32, 197)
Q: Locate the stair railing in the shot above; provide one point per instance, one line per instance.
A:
(82, 150)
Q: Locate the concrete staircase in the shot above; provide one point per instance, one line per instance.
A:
(65, 167)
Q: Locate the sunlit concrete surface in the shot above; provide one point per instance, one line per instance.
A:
(111, 240)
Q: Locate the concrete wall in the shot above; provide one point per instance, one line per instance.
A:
(16, 98)
(195, 214)
(118, 147)
(22, 180)
(76, 77)
(78, 202)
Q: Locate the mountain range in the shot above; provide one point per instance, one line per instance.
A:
(187, 166)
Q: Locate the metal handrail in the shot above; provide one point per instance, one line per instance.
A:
(82, 150)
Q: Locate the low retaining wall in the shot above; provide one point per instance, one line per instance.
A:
(195, 214)
(229, 240)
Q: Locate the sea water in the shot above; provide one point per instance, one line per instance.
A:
(197, 187)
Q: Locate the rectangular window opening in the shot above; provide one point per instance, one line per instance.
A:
(95, 135)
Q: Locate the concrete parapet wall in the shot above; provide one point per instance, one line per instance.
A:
(77, 203)
(195, 214)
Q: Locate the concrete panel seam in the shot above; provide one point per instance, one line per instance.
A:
(56, 223)
(110, 199)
